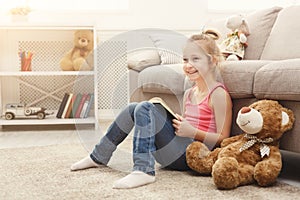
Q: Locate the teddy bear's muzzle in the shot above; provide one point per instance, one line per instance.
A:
(250, 120)
(83, 42)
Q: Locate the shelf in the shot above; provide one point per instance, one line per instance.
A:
(47, 83)
(47, 73)
(49, 120)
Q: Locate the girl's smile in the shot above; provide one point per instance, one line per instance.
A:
(190, 70)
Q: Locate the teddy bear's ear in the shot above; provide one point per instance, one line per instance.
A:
(287, 119)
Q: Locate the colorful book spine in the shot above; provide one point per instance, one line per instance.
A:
(80, 106)
(75, 105)
(85, 105)
(63, 116)
(68, 114)
(86, 114)
(62, 105)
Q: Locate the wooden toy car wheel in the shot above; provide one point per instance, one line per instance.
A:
(27, 111)
(41, 115)
(9, 116)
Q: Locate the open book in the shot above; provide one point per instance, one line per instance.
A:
(158, 100)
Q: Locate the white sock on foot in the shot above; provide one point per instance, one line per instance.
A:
(85, 163)
(134, 179)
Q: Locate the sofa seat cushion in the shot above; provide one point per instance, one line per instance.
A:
(284, 40)
(162, 79)
(238, 77)
(278, 80)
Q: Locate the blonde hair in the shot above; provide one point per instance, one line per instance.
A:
(207, 41)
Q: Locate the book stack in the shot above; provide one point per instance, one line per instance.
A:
(75, 105)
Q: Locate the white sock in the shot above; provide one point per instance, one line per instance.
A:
(134, 179)
(85, 163)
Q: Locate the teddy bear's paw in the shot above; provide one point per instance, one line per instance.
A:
(196, 157)
(266, 175)
(225, 173)
(80, 64)
(67, 68)
(85, 66)
(197, 150)
(66, 64)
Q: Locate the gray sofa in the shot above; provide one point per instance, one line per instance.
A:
(270, 70)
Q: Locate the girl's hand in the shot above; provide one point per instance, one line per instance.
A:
(183, 128)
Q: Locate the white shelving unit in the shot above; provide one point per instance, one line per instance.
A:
(46, 84)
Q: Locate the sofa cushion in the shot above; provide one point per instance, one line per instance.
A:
(260, 25)
(284, 40)
(169, 45)
(278, 80)
(139, 59)
(162, 79)
(238, 77)
(141, 51)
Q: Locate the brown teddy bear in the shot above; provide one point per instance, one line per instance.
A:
(249, 157)
(76, 58)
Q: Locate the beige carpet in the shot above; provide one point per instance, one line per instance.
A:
(43, 173)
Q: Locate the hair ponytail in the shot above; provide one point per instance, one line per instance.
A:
(214, 34)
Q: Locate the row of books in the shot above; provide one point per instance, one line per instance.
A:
(75, 105)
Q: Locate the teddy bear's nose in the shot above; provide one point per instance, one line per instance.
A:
(245, 110)
(82, 40)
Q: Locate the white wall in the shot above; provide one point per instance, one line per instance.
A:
(166, 14)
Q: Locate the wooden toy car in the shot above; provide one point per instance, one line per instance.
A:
(14, 110)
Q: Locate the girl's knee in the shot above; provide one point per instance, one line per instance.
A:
(137, 107)
(131, 106)
(144, 105)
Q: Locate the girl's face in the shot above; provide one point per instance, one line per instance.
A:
(197, 64)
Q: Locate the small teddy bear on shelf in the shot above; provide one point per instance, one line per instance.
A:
(253, 156)
(233, 46)
(76, 58)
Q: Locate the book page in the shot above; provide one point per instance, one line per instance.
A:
(158, 100)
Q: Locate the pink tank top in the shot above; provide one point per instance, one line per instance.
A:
(201, 115)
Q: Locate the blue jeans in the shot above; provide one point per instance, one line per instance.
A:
(154, 139)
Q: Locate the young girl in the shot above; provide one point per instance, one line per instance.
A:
(157, 137)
